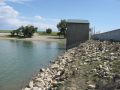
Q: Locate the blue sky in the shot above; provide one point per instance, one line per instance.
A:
(104, 15)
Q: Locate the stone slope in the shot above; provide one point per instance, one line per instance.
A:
(93, 65)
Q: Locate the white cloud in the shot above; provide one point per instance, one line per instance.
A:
(11, 19)
(8, 11)
(1, 1)
(39, 17)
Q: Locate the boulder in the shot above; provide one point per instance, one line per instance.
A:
(54, 66)
(31, 84)
(27, 88)
(42, 70)
(35, 88)
(91, 86)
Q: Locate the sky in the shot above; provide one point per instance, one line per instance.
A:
(103, 15)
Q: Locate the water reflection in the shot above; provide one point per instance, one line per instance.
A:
(19, 60)
(23, 43)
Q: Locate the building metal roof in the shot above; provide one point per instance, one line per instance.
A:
(76, 21)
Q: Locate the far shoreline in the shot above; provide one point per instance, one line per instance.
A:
(47, 38)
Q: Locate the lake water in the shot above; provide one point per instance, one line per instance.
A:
(20, 60)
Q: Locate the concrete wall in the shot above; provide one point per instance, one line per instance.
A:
(76, 33)
(111, 35)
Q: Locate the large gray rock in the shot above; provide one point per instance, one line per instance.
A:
(55, 66)
(91, 86)
(35, 88)
(27, 88)
(31, 84)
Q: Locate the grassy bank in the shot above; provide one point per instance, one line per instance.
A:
(44, 33)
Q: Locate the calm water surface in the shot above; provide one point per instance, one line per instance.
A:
(20, 60)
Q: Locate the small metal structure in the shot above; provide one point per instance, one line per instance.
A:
(77, 32)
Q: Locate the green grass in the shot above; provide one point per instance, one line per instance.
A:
(5, 31)
(44, 33)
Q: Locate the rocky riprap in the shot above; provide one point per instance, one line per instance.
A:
(93, 65)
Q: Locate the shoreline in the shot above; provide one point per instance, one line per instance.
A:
(4, 36)
(48, 78)
(90, 66)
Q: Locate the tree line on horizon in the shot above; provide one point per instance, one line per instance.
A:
(29, 30)
(24, 31)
